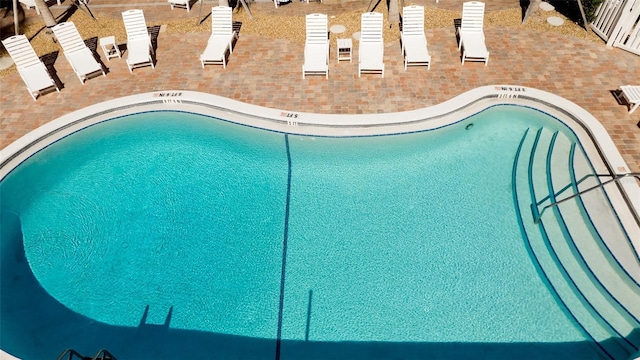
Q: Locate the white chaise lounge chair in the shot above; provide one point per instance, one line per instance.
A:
(278, 2)
(139, 48)
(181, 4)
(471, 33)
(413, 38)
(632, 94)
(30, 4)
(371, 50)
(316, 46)
(221, 39)
(31, 69)
(80, 57)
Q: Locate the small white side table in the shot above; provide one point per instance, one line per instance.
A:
(109, 46)
(344, 49)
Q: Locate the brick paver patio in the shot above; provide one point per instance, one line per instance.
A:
(267, 72)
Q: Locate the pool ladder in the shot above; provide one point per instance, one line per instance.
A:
(616, 178)
(70, 354)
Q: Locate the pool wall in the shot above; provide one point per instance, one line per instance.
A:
(594, 139)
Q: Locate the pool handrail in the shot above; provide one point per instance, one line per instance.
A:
(616, 178)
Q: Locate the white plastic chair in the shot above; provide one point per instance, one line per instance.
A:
(632, 94)
(221, 39)
(80, 57)
(471, 33)
(371, 50)
(413, 38)
(139, 48)
(181, 4)
(31, 4)
(278, 2)
(30, 67)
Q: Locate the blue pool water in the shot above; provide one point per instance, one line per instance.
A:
(177, 235)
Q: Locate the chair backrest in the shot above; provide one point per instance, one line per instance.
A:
(317, 29)
(21, 51)
(413, 20)
(472, 16)
(371, 27)
(69, 37)
(221, 20)
(135, 24)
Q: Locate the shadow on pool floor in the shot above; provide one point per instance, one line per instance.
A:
(31, 318)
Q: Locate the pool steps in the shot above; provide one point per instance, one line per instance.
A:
(607, 223)
(542, 257)
(566, 291)
(618, 306)
(587, 279)
(608, 306)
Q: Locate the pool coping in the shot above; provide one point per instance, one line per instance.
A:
(586, 127)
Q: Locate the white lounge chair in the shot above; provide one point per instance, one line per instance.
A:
(413, 38)
(632, 94)
(471, 33)
(181, 4)
(316, 46)
(30, 4)
(80, 57)
(30, 67)
(139, 48)
(278, 2)
(221, 39)
(371, 50)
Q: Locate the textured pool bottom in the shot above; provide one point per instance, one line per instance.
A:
(378, 254)
(150, 337)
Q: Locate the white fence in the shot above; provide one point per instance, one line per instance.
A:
(618, 23)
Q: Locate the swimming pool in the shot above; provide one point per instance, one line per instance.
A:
(351, 247)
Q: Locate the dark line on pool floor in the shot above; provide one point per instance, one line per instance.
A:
(284, 250)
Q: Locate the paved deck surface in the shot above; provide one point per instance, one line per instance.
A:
(267, 72)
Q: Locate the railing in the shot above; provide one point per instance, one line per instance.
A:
(615, 179)
(70, 354)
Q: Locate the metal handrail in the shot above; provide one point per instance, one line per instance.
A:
(615, 178)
